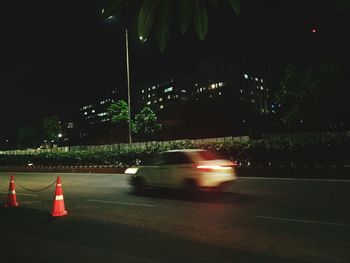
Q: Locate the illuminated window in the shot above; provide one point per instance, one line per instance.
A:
(220, 93)
(261, 81)
(184, 91)
(154, 87)
(241, 91)
(256, 79)
(168, 89)
(160, 99)
(261, 87)
(93, 111)
(169, 97)
(148, 103)
(85, 113)
(221, 84)
(161, 106)
(245, 76)
(148, 96)
(213, 86)
(200, 89)
(155, 101)
(196, 84)
(143, 91)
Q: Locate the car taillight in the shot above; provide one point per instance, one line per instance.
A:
(211, 168)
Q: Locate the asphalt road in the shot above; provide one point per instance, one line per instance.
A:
(258, 220)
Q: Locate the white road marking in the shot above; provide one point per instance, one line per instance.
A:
(118, 203)
(20, 194)
(300, 221)
(294, 179)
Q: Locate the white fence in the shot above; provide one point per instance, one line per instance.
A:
(112, 147)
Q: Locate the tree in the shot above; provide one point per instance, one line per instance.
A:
(27, 137)
(51, 127)
(160, 13)
(119, 112)
(146, 124)
(311, 97)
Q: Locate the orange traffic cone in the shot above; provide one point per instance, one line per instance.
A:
(58, 202)
(11, 196)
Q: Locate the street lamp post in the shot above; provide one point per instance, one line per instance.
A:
(128, 80)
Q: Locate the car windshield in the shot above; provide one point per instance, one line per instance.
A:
(209, 155)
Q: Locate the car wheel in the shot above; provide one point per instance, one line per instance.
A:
(139, 185)
(190, 187)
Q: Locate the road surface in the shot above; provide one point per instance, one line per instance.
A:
(257, 220)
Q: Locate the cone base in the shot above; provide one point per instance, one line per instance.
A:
(11, 205)
(63, 213)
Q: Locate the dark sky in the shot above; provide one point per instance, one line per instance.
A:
(58, 55)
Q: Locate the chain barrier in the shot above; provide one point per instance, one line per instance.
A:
(35, 190)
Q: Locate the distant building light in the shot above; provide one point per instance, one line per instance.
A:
(200, 89)
(155, 101)
(261, 80)
(168, 89)
(85, 113)
(183, 91)
(196, 84)
(148, 103)
(160, 99)
(169, 97)
(245, 76)
(241, 90)
(93, 111)
(213, 86)
(161, 106)
(256, 79)
(154, 87)
(143, 91)
(261, 87)
(221, 84)
(148, 96)
(220, 93)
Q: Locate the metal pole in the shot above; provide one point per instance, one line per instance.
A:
(128, 79)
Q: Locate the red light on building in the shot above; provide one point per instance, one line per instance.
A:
(314, 30)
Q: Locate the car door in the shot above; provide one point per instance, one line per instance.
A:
(174, 168)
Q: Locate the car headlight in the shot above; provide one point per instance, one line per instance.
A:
(131, 170)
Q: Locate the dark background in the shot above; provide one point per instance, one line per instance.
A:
(58, 55)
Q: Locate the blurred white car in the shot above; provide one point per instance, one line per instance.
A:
(190, 169)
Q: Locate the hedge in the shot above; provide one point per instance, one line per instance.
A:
(306, 150)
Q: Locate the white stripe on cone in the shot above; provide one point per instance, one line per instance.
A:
(59, 197)
(12, 192)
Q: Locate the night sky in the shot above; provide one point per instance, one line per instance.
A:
(58, 55)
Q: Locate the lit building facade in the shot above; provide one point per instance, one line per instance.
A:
(160, 95)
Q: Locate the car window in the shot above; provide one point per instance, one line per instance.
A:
(175, 158)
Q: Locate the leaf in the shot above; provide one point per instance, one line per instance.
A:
(185, 15)
(146, 18)
(201, 19)
(236, 5)
(112, 7)
(164, 25)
